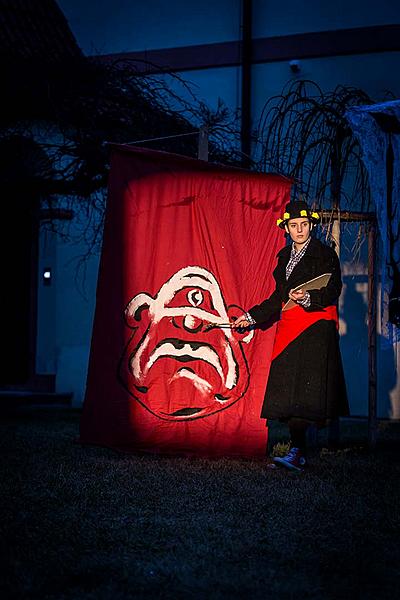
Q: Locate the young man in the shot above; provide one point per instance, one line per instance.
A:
(306, 383)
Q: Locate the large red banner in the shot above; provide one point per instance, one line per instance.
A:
(187, 246)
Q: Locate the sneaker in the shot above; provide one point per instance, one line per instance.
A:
(294, 460)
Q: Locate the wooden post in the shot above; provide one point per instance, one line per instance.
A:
(202, 152)
(335, 233)
(372, 379)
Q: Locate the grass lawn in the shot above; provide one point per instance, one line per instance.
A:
(90, 523)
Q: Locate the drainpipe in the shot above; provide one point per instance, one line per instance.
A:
(246, 58)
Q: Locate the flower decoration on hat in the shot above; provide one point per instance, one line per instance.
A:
(295, 210)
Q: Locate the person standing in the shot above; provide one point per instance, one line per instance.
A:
(306, 382)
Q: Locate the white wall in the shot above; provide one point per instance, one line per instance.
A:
(75, 303)
(65, 313)
(376, 74)
(46, 324)
(103, 27)
(275, 18)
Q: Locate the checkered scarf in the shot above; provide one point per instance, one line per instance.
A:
(295, 258)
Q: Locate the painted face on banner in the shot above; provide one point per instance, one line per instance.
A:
(176, 364)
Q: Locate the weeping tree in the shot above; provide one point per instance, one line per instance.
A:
(304, 134)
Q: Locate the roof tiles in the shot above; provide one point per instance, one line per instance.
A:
(35, 30)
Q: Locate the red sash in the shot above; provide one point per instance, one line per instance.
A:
(296, 320)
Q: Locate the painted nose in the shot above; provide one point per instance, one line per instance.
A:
(192, 324)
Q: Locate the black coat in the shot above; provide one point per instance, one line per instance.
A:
(317, 260)
(306, 379)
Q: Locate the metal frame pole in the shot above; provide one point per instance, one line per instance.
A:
(246, 62)
(372, 371)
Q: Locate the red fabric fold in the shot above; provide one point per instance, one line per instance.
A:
(296, 320)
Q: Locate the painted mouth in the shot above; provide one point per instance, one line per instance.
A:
(189, 351)
(184, 412)
(202, 384)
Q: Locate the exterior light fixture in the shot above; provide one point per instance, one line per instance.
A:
(46, 276)
(294, 66)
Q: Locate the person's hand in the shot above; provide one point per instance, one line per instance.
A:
(240, 323)
(297, 295)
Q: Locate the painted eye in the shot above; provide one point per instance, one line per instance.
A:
(195, 297)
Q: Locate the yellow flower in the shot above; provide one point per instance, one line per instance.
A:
(279, 221)
(315, 215)
(286, 216)
(303, 213)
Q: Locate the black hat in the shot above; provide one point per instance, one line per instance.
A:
(296, 209)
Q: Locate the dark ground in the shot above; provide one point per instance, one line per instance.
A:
(93, 524)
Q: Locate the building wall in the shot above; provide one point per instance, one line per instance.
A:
(274, 18)
(65, 312)
(75, 304)
(102, 27)
(376, 74)
(46, 362)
